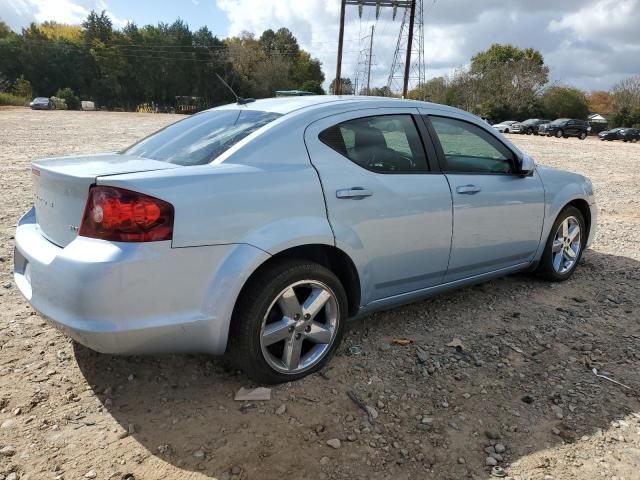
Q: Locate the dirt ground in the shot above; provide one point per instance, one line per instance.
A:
(521, 391)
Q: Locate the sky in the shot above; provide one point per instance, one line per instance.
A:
(591, 44)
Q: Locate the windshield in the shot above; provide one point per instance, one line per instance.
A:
(201, 138)
(559, 121)
(531, 121)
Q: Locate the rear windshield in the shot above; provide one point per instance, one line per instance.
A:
(41, 99)
(201, 138)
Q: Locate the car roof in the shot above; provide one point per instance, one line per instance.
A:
(284, 105)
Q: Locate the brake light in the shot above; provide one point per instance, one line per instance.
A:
(121, 215)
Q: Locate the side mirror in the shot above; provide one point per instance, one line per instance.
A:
(526, 166)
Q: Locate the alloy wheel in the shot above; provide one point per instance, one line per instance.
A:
(566, 245)
(299, 327)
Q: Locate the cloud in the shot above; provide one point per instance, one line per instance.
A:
(589, 43)
(20, 13)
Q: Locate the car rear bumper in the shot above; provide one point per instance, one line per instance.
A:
(131, 298)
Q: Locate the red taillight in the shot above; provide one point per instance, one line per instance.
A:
(121, 215)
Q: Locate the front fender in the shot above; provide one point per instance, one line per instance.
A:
(562, 188)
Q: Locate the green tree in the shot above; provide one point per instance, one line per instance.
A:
(22, 88)
(313, 86)
(97, 28)
(509, 80)
(5, 30)
(565, 102)
(434, 90)
(70, 98)
(153, 63)
(498, 55)
(346, 85)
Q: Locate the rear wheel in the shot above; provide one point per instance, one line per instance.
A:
(288, 322)
(559, 134)
(564, 246)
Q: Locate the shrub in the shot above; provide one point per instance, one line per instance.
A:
(11, 99)
(59, 103)
(70, 98)
(22, 88)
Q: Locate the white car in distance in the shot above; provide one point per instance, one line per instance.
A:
(504, 127)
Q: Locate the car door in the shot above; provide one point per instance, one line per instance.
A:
(497, 214)
(390, 211)
(571, 128)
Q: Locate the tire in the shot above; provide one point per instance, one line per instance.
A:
(582, 135)
(291, 281)
(529, 131)
(559, 134)
(560, 268)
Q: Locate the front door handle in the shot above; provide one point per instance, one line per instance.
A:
(468, 190)
(353, 193)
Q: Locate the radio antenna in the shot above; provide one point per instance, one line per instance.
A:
(239, 100)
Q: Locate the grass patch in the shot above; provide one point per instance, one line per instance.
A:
(10, 99)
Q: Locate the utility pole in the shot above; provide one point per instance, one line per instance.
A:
(369, 63)
(378, 4)
(407, 63)
(408, 66)
(337, 86)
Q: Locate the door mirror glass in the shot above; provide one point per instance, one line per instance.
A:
(526, 165)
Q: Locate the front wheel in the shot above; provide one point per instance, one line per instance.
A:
(529, 131)
(582, 135)
(564, 246)
(288, 321)
(559, 134)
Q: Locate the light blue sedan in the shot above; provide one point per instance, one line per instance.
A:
(258, 229)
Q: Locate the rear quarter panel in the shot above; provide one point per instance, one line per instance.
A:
(265, 193)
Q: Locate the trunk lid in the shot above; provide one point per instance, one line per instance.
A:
(61, 186)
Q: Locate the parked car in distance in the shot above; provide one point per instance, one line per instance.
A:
(529, 127)
(258, 229)
(629, 134)
(564, 128)
(42, 103)
(610, 135)
(504, 127)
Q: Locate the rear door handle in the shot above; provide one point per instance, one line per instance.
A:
(353, 193)
(468, 190)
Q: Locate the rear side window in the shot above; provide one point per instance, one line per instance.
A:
(382, 144)
(468, 148)
(201, 138)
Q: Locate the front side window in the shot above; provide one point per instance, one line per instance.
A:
(201, 138)
(382, 144)
(469, 149)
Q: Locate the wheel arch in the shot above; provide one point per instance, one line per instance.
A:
(328, 256)
(582, 206)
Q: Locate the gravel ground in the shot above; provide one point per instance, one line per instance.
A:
(519, 393)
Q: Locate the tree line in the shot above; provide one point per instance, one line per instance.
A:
(123, 68)
(153, 63)
(508, 83)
